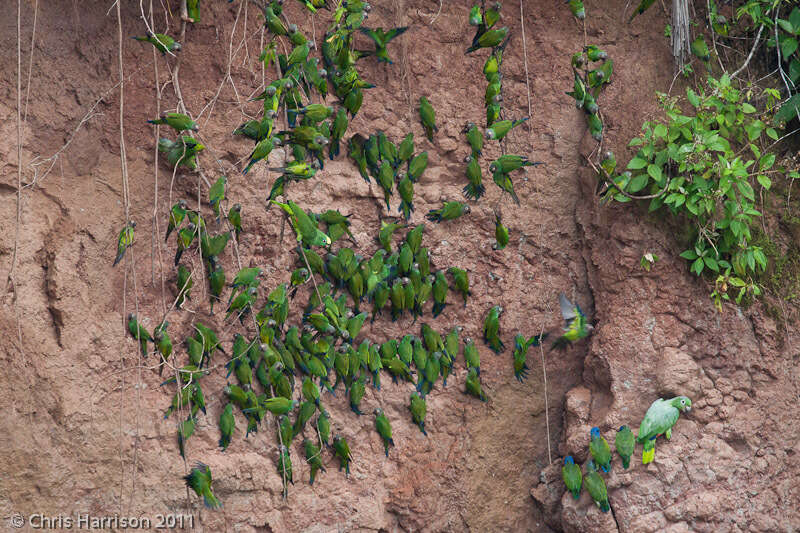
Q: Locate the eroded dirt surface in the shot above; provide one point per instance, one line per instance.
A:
(83, 430)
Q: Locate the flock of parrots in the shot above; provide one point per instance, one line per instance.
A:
(281, 353)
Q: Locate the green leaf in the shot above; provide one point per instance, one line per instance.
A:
(747, 108)
(764, 181)
(697, 266)
(689, 255)
(636, 141)
(772, 134)
(711, 263)
(736, 282)
(786, 26)
(794, 70)
(788, 46)
(760, 258)
(746, 190)
(766, 162)
(638, 183)
(655, 172)
(794, 18)
(637, 163)
(693, 98)
(660, 131)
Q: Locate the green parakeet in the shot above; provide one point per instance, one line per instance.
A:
(342, 451)
(596, 487)
(571, 474)
(356, 152)
(461, 281)
(578, 11)
(488, 39)
(406, 149)
(419, 409)
(624, 443)
(124, 241)
(216, 194)
(475, 139)
(417, 166)
(176, 216)
(474, 189)
(193, 10)
(595, 127)
(520, 357)
(139, 333)
(227, 424)
(700, 49)
(384, 429)
(199, 480)
(498, 130)
(357, 391)
(324, 427)
(600, 450)
(500, 234)
(608, 164)
(261, 151)
(594, 53)
(473, 384)
(184, 284)
(448, 211)
(285, 466)
(509, 163)
(406, 189)
(491, 330)
(440, 289)
(216, 281)
(577, 326)
(164, 345)
(428, 117)
(643, 6)
(304, 414)
(185, 430)
(381, 39)
(235, 219)
(163, 43)
(313, 458)
(186, 237)
(177, 121)
(659, 419)
(472, 357)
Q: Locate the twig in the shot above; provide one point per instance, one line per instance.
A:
(713, 34)
(30, 60)
(753, 50)
(130, 261)
(546, 405)
(525, 55)
(19, 145)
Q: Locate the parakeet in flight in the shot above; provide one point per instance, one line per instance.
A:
(577, 326)
(199, 480)
(381, 39)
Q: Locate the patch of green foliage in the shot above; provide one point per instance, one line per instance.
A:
(704, 165)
